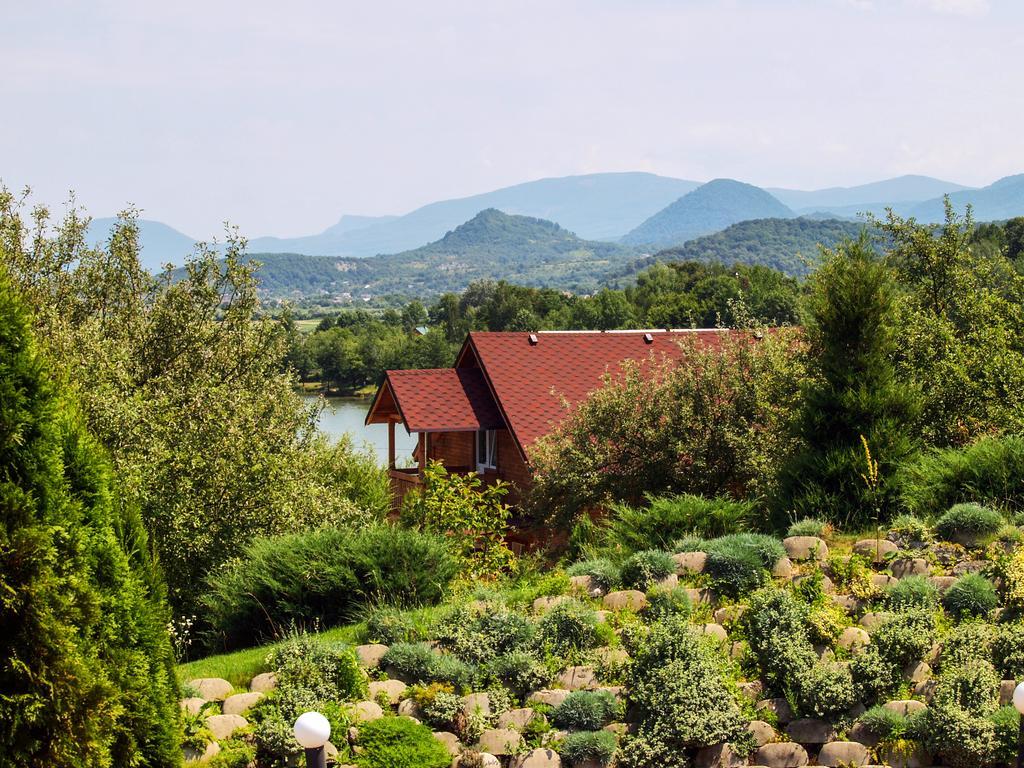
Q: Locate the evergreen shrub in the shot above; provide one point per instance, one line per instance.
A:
(665, 519)
(646, 567)
(603, 572)
(586, 710)
(809, 526)
(911, 592)
(589, 747)
(398, 742)
(567, 630)
(971, 595)
(968, 520)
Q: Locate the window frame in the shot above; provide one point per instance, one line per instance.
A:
(486, 444)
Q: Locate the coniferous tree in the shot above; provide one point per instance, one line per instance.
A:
(858, 419)
(86, 666)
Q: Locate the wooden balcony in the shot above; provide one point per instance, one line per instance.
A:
(402, 482)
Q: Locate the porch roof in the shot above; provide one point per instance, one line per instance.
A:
(436, 400)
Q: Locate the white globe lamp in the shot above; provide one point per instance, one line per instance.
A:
(312, 731)
(1018, 703)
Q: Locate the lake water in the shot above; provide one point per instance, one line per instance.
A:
(346, 414)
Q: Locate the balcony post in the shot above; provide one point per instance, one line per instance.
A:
(391, 444)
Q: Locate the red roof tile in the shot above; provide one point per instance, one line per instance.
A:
(443, 399)
(529, 380)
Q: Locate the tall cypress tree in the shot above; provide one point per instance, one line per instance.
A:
(858, 420)
(86, 668)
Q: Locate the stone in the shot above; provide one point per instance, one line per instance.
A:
(392, 689)
(241, 703)
(781, 755)
(477, 702)
(752, 690)
(762, 732)
(211, 750)
(926, 689)
(222, 726)
(409, 708)
(602, 616)
(854, 639)
(875, 549)
(542, 604)
(882, 580)
(783, 569)
(716, 631)
(450, 741)
(860, 733)
(577, 678)
(843, 754)
(898, 759)
(805, 548)
(193, 704)
(370, 655)
(942, 583)
(730, 614)
(918, 673)
(264, 682)
(479, 760)
(738, 649)
(902, 568)
(968, 566)
(1006, 689)
(700, 596)
(537, 758)
(212, 688)
(625, 600)
(610, 657)
(872, 621)
(810, 731)
(585, 585)
(848, 603)
(500, 741)
(690, 562)
(669, 583)
(550, 697)
(779, 706)
(365, 711)
(718, 756)
(904, 706)
(517, 719)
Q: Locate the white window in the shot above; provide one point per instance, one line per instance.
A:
(486, 449)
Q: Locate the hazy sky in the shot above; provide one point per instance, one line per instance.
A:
(281, 116)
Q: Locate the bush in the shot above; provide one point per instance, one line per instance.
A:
(398, 742)
(665, 519)
(883, 724)
(234, 753)
(990, 471)
(602, 572)
(324, 577)
(809, 526)
(646, 567)
(1008, 651)
(972, 640)
(971, 595)
(446, 668)
(959, 728)
(389, 625)
(567, 629)
(741, 562)
(875, 677)
(778, 637)
(911, 592)
(906, 529)
(520, 670)
(825, 691)
(662, 603)
(596, 746)
(585, 710)
(410, 661)
(1006, 723)
(679, 688)
(329, 671)
(481, 637)
(967, 522)
(905, 638)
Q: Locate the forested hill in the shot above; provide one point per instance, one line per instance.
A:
(789, 245)
(707, 209)
(492, 244)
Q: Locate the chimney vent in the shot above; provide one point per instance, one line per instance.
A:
(648, 338)
(533, 339)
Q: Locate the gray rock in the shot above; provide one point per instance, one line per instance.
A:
(408, 708)
(611, 656)
(844, 754)
(585, 585)
(241, 703)
(917, 566)
(627, 599)
(848, 603)
(212, 688)
(969, 566)
(700, 596)
(264, 682)
(752, 690)
(718, 756)
(1006, 689)
(783, 569)
(917, 673)
(872, 621)
(762, 732)
(862, 735)
(500, 741)
(392, 689)
(810, 731)
(805, 548)
(730, 614)
(781, 755)
(882, 580)
(716, 631)
(550, 697)
(537, 758)
(942, 583)
(577, 678)
(193, 704)
(365, 711)
(222, 726)
(905, 706)
(517, 719)
(479, 760)
(917, 759)
(875, 549)
(370, 655)
(854, 639)
(690, 562)
(779, 706)
(211, 750)
(476, 702)
(450, 740)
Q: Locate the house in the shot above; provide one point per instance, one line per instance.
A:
(505, 391)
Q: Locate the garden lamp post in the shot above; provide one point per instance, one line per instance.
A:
(1018, 703)
(312, 731)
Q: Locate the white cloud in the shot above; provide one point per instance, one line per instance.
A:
(956, 7)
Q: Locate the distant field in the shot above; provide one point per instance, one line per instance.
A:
(307, 326)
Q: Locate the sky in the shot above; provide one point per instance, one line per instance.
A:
(280, 117)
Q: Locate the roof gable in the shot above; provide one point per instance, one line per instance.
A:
(436, 400)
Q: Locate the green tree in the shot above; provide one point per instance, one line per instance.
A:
(852, 394)
(86, 667)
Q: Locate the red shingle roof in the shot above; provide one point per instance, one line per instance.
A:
(530, 380)
(441, 400)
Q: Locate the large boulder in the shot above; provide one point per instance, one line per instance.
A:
(222, 726)
(518, 719)
(700, 596)
(905, 706)
(577, 678)
(844, 754)
(783, 712)
(872, 621)
(365, 711)
(537, 758)
(781, 755)
(719, 756)
(806, 548)
(810, 731)
(626, 599)
(193, 704)
(585, 585)
(547, 696)
(762, 732)
(476, 702)
(783, 569)
(875, 549)
(854, 639)
(241, 703)
(451, 742)
(690, 562)
(212, 688)
(917, 566)
(500, 741)
(264, 682)
(370, 655)
(391, 689)
(716, 631)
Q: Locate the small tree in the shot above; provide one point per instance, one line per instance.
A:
(852, 396)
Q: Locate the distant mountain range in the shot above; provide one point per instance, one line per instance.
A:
(492, 244)
(709, 208)
(902, 189)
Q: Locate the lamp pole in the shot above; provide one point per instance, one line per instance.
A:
(1018, 703)
(312, 732)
